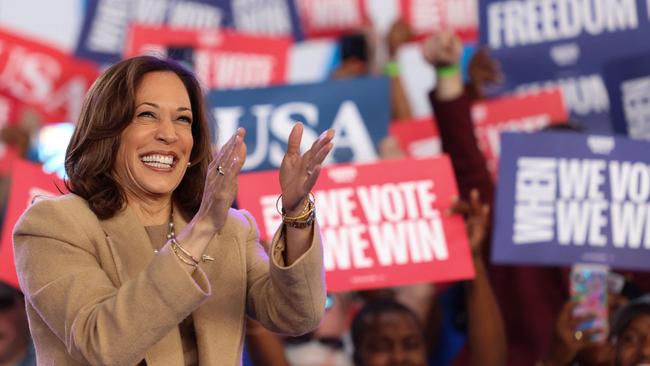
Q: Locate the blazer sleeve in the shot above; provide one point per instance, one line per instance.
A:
(285, 299)
(99, 322)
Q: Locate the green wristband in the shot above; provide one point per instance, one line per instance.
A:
(391, 69)
(447, 71)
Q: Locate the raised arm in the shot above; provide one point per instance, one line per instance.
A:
(486, 331)
(452, 109)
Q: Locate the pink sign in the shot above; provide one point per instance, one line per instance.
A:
(379, 228)
(28, 182)
(39, 76)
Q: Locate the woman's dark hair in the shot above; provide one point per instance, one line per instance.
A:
(368, 314)
(108, 108)
(624, 316)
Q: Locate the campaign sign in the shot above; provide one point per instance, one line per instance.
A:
(221, 59)
(105, 24)
(358, 109)
(628, 85)
(28, 182)
(431, 16)
(527, 113)
(39, 76)
(331, 18)
(564, 43)
(383, 224)
(418, 137)
(266, 17)
(565, 198)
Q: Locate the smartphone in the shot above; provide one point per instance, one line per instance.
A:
(589, 289)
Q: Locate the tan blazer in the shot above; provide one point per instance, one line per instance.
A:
(97, 293)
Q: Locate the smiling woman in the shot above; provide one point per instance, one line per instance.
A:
(122, 270)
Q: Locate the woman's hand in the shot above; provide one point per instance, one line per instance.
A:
(443, 49)
(221, 182)
(567, 340)
(298, 174)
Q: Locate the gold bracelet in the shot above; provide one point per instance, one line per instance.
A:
(204, 257)
(181, 257)
(301, 224)
(303, 215)
(306, 210)
(187, 254)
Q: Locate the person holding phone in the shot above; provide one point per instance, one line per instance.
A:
(144, 262)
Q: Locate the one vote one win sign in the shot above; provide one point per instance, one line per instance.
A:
(565, 198)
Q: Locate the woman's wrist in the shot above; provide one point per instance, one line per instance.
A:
(295, 210)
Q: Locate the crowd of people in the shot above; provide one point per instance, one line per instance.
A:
(139, 284)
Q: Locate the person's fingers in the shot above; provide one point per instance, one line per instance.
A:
(321, 155)
(293, 144)
(312, 178)
(459, 207)
(221, 154)
(234, 151)
(589, 335)
(566, 314)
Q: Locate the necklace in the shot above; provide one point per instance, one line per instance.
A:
(170, 229)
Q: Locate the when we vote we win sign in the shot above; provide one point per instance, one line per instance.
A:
(565, 198)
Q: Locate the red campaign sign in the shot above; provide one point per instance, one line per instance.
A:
(525, 113)
(418, 138)
(42, 77)
(430, 16)
(380, 229)
(222, 59)
(331, 18)
(28, 181)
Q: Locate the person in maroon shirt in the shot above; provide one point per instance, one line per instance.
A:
(530, 297)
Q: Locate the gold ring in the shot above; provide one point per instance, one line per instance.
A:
(220, 170)
(577, 335)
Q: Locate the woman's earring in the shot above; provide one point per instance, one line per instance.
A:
(189, 163)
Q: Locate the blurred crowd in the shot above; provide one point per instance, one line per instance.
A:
(514, 315)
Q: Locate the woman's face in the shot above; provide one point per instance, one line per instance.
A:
(391, 339)
(156, 146)
(633, 345)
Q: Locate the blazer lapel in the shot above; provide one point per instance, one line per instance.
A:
(132, 252)
(129, 243)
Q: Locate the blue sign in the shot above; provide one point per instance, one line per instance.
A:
(358, 109)
(105, 26)
(266, 17)
(628, 85)
(566, 198)
(564, 43)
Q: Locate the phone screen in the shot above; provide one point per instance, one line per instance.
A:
(589, 289)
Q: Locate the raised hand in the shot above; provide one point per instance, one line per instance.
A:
(298, 173)
(477, 219)
(567, 340)
(443, 49)
(483, 70)
(221, 181)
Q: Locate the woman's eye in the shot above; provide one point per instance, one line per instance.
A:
(146, 114)
(185, 119)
